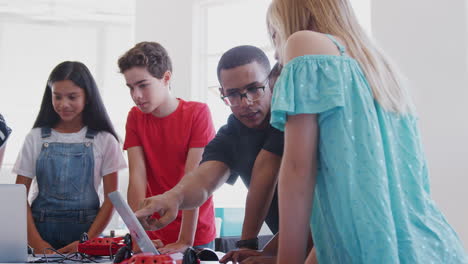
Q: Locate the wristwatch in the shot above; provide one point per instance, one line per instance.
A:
(248, 243)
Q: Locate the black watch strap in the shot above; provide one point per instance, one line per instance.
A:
(248, 243)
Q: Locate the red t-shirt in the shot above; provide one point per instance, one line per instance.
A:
(166, 142)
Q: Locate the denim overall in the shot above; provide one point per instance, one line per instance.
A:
(67, 203)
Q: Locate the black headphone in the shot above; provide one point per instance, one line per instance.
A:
(124, 252)
(191, 255)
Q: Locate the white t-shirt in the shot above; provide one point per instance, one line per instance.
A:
(108, 155)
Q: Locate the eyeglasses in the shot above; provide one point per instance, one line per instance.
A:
(252, 94)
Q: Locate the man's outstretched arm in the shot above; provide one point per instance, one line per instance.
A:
(191, 192)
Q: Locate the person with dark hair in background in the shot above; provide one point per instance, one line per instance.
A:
(247, 146)
(5, 132)
(71, 149)
(165, 138)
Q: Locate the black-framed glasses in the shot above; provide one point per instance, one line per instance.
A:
(252, 94)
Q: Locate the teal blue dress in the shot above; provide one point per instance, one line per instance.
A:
(372, 200)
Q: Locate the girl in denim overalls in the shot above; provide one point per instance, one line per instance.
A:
(70, 148)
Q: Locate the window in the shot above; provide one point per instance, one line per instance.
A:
(223, 25)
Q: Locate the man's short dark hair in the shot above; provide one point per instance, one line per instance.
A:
(242, 55)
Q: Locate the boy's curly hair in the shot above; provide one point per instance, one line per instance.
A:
(151, 55)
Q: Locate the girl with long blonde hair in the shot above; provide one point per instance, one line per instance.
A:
(353, 166)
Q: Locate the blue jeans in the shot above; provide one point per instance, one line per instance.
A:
(67, 203)
(60, 228)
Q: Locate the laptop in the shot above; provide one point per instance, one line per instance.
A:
(132, 223)
(13, 225)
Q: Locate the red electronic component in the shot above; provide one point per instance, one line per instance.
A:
(150, 258)
(101, 246)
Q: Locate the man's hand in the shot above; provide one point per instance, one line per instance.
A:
(236, 256)
(165, 205)
(72, 247)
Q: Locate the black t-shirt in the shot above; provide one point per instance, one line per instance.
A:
(238, 146)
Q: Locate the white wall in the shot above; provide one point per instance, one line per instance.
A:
(170, 24)
(428, 39)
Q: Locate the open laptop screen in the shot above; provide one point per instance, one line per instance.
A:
(132, 223)
(13, 226)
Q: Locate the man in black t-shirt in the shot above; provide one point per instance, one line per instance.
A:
(246, 147)
(248, 140)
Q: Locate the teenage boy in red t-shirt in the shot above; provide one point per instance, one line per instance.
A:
(165, 138)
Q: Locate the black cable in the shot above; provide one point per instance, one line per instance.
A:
(47, 258)
(73, 256)
(111, 256)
